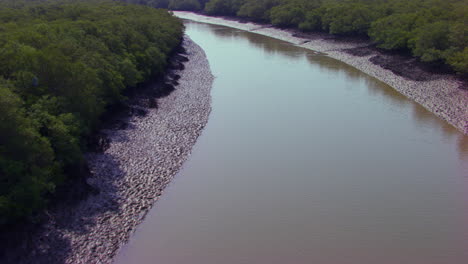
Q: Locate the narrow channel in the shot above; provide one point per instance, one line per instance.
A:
(307, 160)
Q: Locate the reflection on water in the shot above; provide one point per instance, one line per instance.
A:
(462, 145)
(386, 93)
(257, 41)
(308, 160)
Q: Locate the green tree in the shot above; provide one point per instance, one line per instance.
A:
(393, 32)
(191, 5)
(223, 7)
(27, 167)
(257, 10)
(431, 41)
(63, 64)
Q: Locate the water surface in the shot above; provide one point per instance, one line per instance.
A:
(307, 160)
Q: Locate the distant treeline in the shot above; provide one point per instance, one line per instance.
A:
(61, 65)
(433, 30)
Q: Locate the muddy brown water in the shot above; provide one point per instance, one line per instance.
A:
(307, 160)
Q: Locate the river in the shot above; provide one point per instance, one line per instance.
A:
(307, 160)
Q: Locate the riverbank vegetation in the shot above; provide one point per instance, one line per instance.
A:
(62, 64)
(432, 30)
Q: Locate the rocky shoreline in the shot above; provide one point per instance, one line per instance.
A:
(139, 155)
(442, 93)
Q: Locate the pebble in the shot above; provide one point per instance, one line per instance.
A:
(130, 174)
(442, 92)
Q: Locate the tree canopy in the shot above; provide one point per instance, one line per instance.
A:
(433, 30)
(63, 64)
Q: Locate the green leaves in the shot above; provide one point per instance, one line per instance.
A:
(434, 30)
(348, 18)
(433, 33)
(224, 7)
(26, 160)
(62, 65)
(192, 5)
(431, 41)
(292, 13)
(394, 31)
(257, 10)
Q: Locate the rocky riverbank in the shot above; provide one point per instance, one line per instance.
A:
(139, 155)
(444, 94)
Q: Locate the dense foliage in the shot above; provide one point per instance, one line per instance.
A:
(188, 5)
(61, 65)
(433, 30)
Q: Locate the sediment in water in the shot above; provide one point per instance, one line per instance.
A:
(441, 93)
